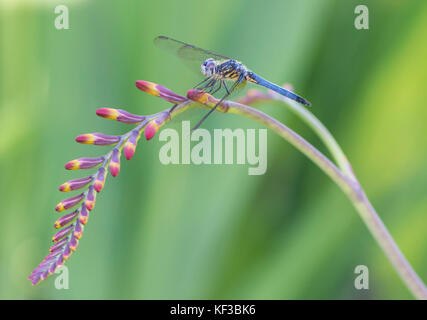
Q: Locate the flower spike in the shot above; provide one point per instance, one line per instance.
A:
(71, 225)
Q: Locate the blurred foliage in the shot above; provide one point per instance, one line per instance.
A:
(201, 232)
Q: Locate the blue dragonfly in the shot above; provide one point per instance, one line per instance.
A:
(220, 72)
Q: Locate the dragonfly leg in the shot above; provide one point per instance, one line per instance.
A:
(173, 107)
(208, 85)
(238, 81)
(219, 87)
(202, 82)
(212, 86)
(225, 86)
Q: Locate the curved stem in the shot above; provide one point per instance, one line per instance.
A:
(318, 127)
(323, 134)
(344, 178)
(353, 191)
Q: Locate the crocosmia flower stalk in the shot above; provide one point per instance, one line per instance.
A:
(70, 226)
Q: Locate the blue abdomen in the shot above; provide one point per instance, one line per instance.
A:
(282, 91)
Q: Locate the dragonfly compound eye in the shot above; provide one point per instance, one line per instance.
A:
(209, 67)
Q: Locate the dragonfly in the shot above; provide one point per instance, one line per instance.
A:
(220, 72)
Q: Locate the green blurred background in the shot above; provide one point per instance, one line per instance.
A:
(205, 232)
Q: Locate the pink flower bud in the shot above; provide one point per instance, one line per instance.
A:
(154, 125)
(78, 231)
(74, 244)
(151, 129)
(63, 221)
(84, 215)
(58, 245)
(119, 115)
(115, 163)
(130, 145)
(159, 91)
(90, 199)
(99, 139)
(100, 179)
(75, 184)
(61, 234)
(69, 203)
(84, 163)
(67, 253)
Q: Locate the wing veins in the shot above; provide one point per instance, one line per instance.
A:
(186, 51)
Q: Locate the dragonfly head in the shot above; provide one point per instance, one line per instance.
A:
(209, 67)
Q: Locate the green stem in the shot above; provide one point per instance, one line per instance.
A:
(320, 130)
(344, 178)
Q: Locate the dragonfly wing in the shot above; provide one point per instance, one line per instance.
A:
(186, 51)
(235, 87)
(194, 57)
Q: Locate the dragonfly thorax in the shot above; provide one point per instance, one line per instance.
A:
(226, 69)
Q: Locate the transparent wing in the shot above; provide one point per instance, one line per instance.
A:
(186, 51)
(194, 57)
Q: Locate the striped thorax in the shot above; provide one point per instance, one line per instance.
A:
(224, 70)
